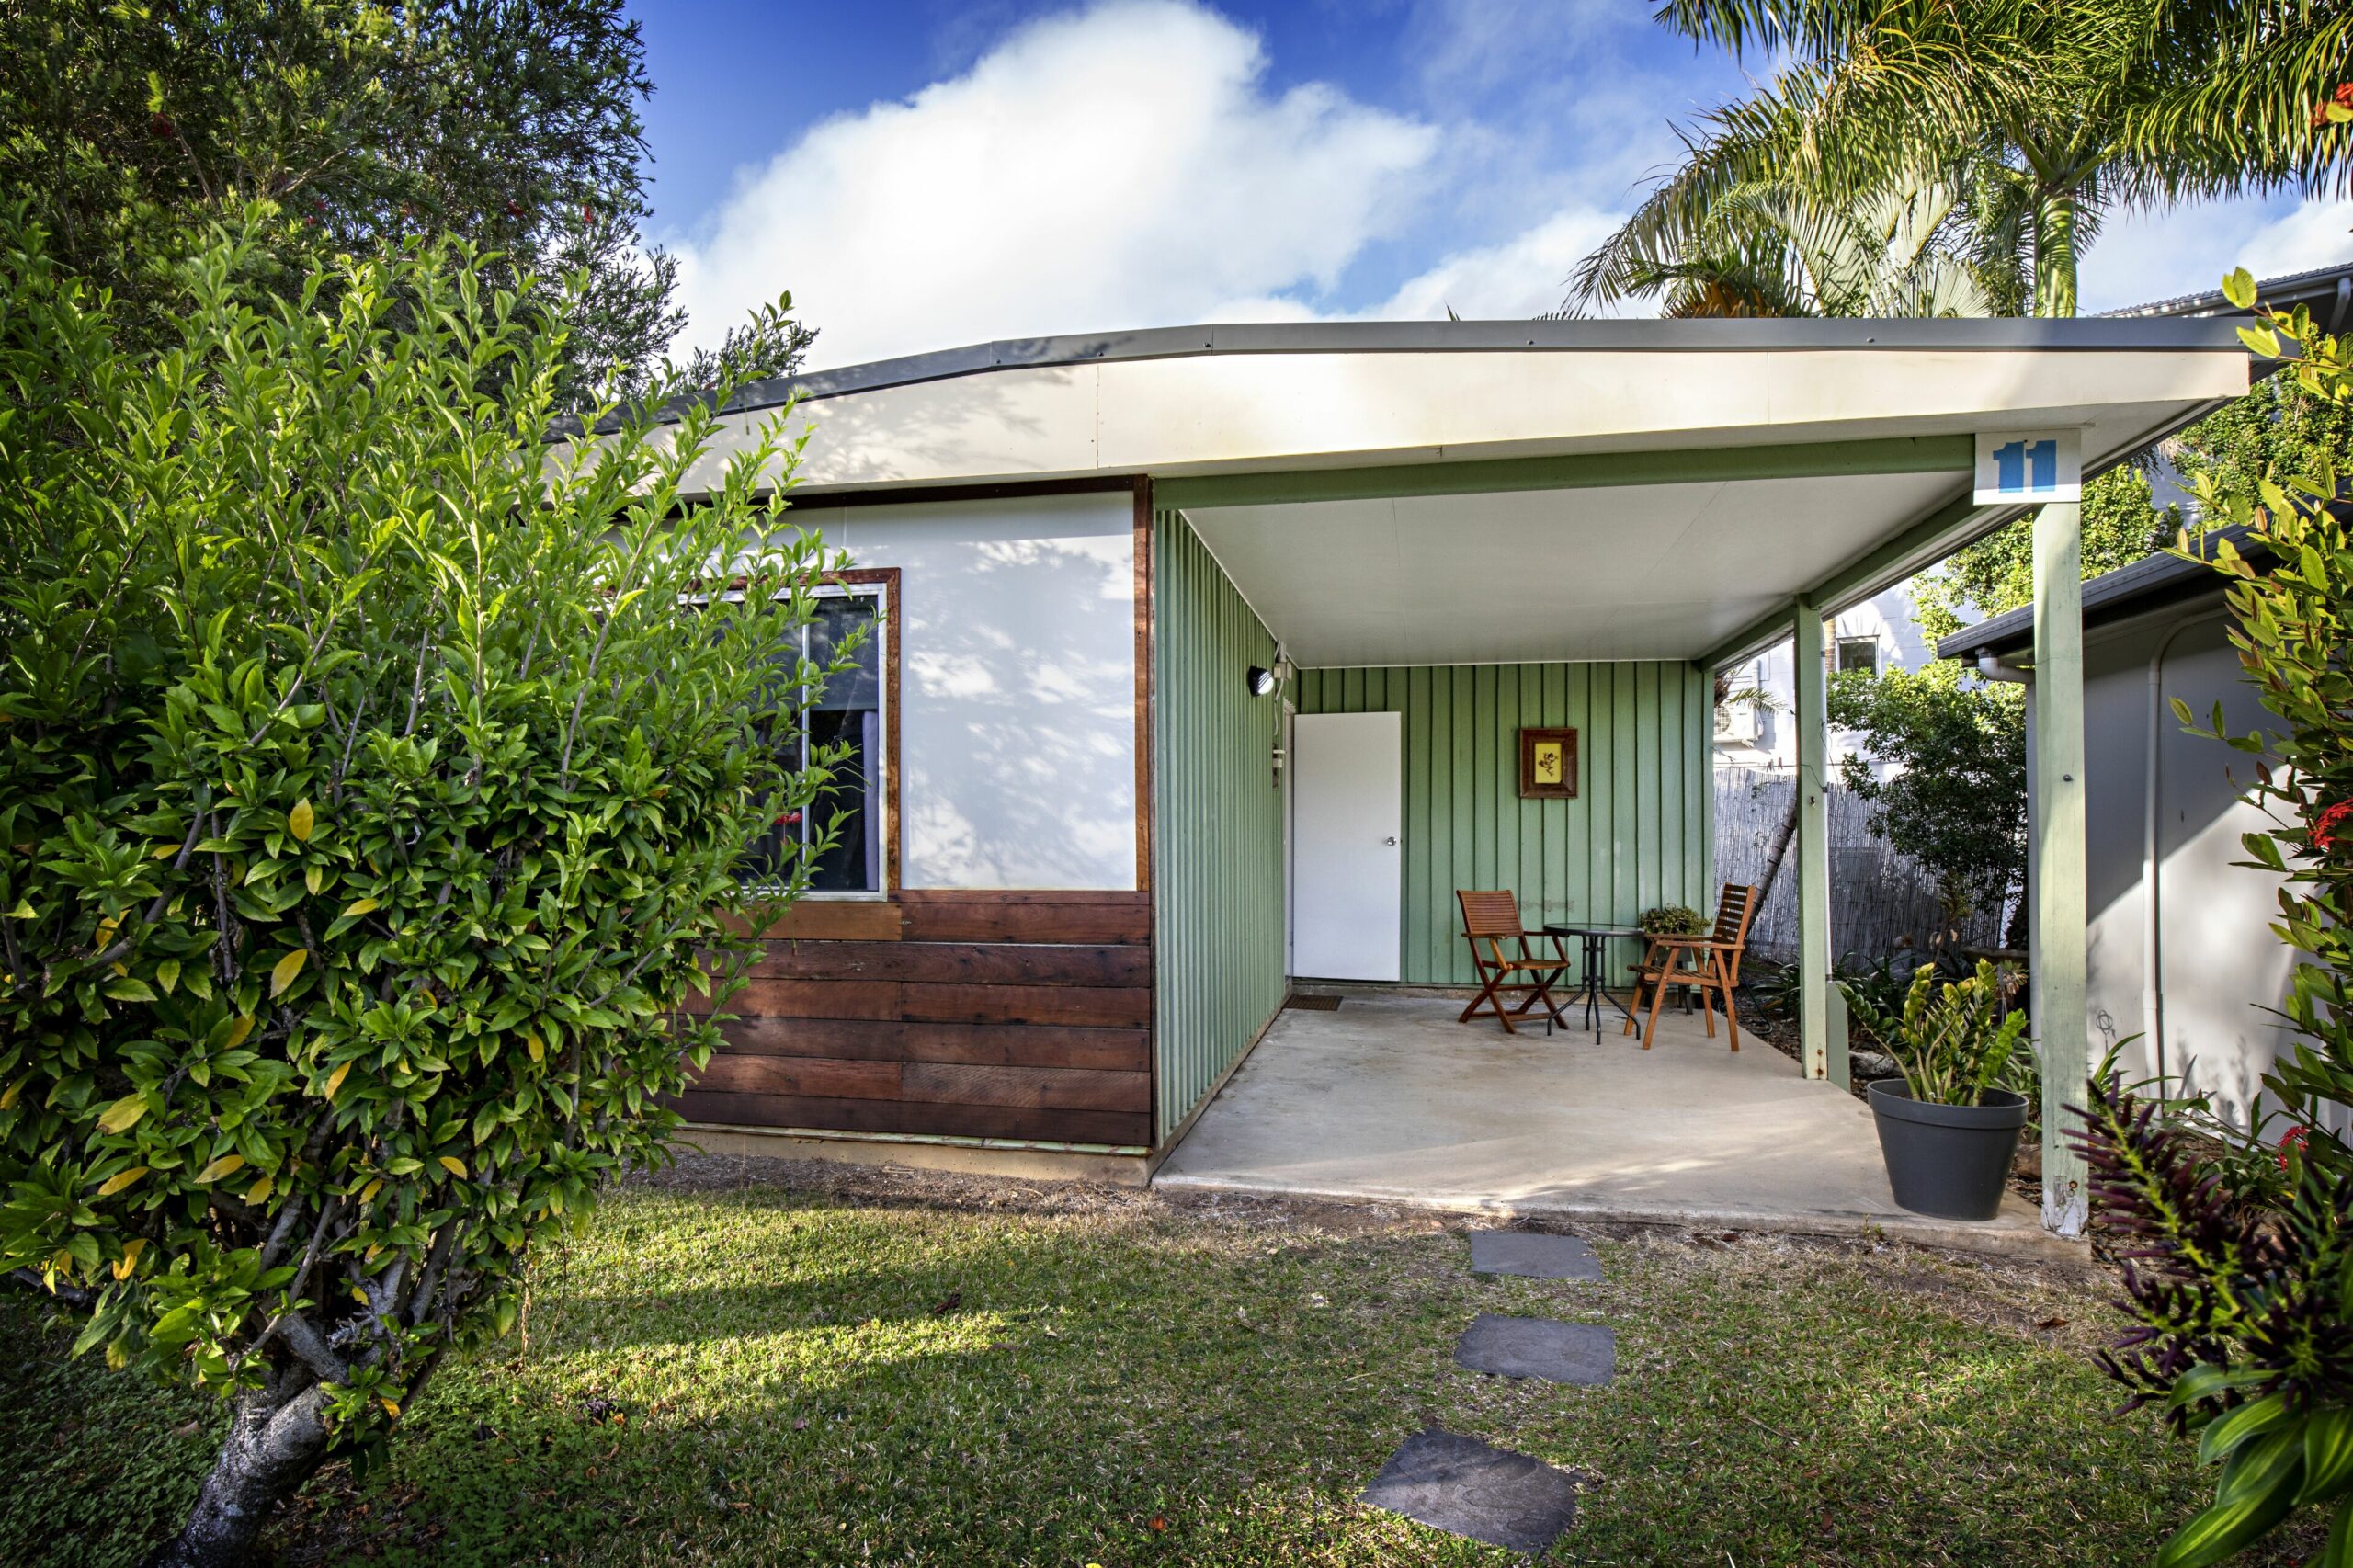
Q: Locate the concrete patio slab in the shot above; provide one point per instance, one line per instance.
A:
(1389, 1099)
(1463, 1486)
(1584, 1354)
(1532, 1255)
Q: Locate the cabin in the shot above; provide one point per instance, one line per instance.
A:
(1204, 658)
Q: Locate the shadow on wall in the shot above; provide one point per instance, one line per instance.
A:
(1017, 691)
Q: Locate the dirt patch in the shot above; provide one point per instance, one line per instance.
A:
(1938, 1271)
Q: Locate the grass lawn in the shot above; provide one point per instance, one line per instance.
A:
(875, 1369)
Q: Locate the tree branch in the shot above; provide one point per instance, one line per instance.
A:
(310, 1347)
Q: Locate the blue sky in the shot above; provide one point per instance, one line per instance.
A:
(924, 174)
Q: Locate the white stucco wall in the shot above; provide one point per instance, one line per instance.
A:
(1016, 722)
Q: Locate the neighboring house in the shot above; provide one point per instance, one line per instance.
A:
(1875, 636)
(2184, 969)
(1207, 656)
(2326, 291)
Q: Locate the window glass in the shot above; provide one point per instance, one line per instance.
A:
(1858, 654)
(848, 712)
(839, 620)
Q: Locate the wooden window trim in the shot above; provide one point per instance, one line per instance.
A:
(893, 615)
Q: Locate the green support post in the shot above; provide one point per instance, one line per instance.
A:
(2055, 875)
(1842, 1069)
(1813, 842)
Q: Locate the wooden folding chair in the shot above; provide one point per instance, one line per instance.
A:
(1489, 920)
(1709, 965)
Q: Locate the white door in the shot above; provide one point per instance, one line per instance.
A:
(1347, 809)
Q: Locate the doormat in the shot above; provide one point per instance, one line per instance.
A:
(1314, 1003)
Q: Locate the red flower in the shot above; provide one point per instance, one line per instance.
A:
(2344, 94)
(2331, 824)
(2292, 1139)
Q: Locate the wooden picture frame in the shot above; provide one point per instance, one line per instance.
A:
(1548, 764)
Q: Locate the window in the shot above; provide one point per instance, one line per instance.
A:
(1857, 653)
(850, 712)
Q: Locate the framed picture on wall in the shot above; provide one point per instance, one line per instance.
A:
(1548, 764)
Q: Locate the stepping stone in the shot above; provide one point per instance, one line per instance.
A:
(1532, 1255)
(1581, 1353)
(1463, 1486)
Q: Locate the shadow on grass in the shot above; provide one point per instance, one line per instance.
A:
(762, 1376)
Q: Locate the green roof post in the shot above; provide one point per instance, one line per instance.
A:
(2057, 875)
(1812, 684)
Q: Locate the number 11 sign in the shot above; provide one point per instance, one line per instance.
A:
(2029, 467)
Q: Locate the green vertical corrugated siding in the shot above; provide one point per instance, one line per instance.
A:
(1636, 836)
(1217, 825)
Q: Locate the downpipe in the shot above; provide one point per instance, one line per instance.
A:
(2152, 938)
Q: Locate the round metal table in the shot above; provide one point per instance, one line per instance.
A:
(1596, 940)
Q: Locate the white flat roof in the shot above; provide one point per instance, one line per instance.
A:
(1418, 564)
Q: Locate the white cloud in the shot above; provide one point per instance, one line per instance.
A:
(2140, 258)
(1121, 166)
(1513, 279)
(1524, 276)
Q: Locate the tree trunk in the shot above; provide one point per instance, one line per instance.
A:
(1777, 851)
(275, 1441)
(2054, 255)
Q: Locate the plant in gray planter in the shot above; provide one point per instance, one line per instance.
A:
(1949, 1129)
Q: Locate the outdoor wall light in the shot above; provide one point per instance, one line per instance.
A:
(1262, 681)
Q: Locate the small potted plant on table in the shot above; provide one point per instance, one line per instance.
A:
(1948, 1128)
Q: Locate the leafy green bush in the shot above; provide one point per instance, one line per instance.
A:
(2243, 1289)
(375, 786)
(1956, 799)
(1951, 1041)
(1670, 920)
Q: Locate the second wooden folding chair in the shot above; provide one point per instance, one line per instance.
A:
(1709, 965)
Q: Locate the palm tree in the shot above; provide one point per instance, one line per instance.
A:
(1767, 247)
(2034, 119)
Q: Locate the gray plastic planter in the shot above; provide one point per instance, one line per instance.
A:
(1950, 1161)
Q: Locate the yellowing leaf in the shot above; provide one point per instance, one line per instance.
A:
(392, 1406)
(261, 1191)
(454, 1166)
(531, 1040)
(298, 820)
(15, 1089)
(314, 877)
(288, 968)
(368, 1194)
(334, 1079)
(225, 1166)
(121, 1180)
(162, 851)
(24, 910)
(240, 1030)
(131, 1251)
(359, 906)
(167, 974)
(122, 1113)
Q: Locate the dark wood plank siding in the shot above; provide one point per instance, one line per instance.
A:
(1020, 1015)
